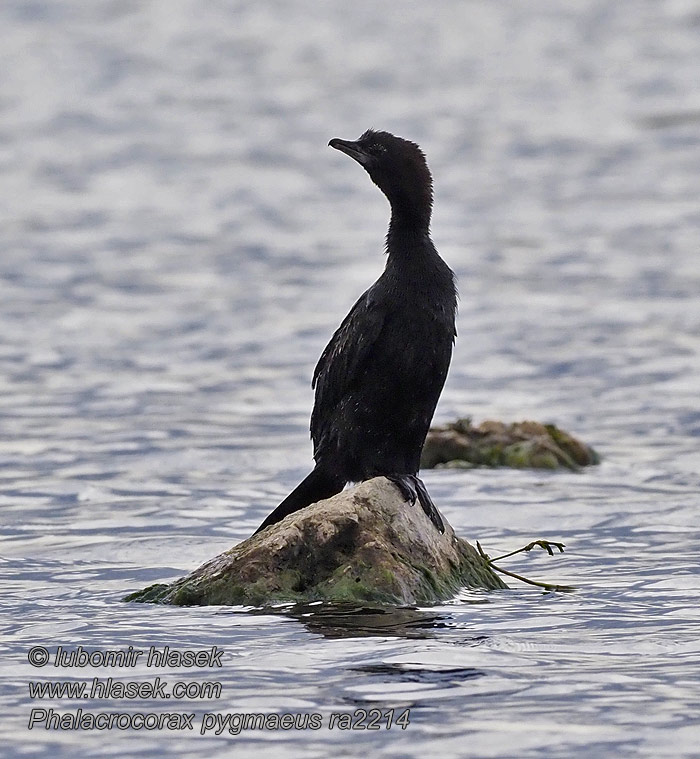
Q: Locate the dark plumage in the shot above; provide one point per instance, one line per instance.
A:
(380, 376)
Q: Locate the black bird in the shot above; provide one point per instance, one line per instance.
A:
(379, 378)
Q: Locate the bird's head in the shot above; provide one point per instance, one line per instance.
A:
(398, 167)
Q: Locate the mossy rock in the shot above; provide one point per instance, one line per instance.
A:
(364, 545)
(519, 445)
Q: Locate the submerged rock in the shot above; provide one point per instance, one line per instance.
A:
(365, 544)
(520, 445)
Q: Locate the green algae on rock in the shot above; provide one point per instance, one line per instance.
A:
(365, 544)
(520, 445)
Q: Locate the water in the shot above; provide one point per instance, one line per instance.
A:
(177, 246)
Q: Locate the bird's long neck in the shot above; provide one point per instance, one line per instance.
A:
(414, 268)
(411, 208)
(409, 225)
(408, 238)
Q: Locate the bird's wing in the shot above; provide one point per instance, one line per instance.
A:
(343, 361)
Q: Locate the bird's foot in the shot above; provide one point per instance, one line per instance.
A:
(412, 488)
(406, 485)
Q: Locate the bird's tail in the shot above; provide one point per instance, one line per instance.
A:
(316, 486)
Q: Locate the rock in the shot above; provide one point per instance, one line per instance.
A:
(365, 544)
(520, 445)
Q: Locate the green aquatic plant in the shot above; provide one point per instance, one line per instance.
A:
(546, 545)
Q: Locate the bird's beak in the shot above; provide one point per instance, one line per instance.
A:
(350, 148)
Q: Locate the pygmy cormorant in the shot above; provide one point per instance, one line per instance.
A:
(379, 378)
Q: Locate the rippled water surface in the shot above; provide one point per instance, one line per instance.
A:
(178, 243)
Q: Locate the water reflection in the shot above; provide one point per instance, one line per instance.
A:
(352, 621)
(435, 676)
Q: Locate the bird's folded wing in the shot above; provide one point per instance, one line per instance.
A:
(345, 358)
